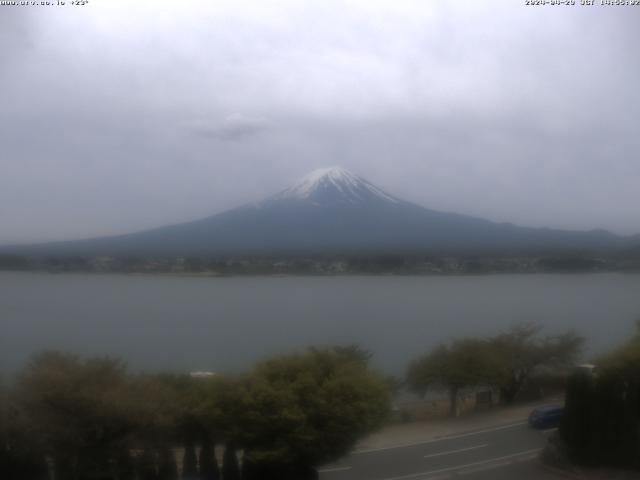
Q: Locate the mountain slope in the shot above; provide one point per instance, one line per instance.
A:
(332, 211)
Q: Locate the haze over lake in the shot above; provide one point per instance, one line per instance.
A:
(225, 324)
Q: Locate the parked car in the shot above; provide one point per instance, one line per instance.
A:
(547, 416)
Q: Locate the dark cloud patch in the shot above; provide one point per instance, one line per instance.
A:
(234, 128)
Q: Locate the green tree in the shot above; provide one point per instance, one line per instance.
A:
(146, 465)
(80, 409)
(624, 361)
(175, 420)
(522, 350)
(354, 352)
(301, 410)
(209, 469)
(189, 462)
(124, 465)
(618, 409)
(230, 467)
(577, 420)
(463, 363)
(21, 454)
(601, 425)
(167, 467)
(158, 405)
(192, 422)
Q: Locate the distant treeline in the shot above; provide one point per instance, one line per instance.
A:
(326, 264)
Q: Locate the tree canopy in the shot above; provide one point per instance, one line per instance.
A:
(601, 424)
(522, 350)
(80, 410)
(624, 360)
(505, 361)
(308, 408)
(96, 420)
(462, 363)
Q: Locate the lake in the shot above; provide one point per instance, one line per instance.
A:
(225, 324)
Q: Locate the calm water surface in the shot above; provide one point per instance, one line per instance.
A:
(225, 324)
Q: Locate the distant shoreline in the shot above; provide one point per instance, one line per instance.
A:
(327, 265)
(211, 275)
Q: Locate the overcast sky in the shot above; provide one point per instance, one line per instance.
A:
(123, 115)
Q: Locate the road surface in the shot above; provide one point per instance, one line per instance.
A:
(500, 452)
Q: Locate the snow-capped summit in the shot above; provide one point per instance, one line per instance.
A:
(334, 185)
(330, 210)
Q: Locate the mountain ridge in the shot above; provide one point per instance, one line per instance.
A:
(332, 210)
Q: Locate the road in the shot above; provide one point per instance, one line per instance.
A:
(500, 452)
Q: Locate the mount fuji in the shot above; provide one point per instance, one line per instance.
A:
(332, 210)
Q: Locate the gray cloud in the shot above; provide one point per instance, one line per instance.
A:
(235, 127)
(15, 35)
(158, 114)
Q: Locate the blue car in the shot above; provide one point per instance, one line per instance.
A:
(548, 416)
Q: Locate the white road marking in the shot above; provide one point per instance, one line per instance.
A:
(478, 432)
(451, 452)
(484, 468)
(334, 469)
(439, 439)
(468, 465)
